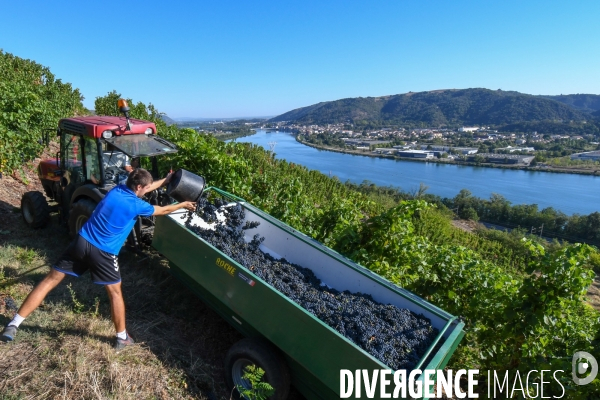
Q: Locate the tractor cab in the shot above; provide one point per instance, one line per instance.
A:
(96, 154)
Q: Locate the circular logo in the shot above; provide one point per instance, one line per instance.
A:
(583, 362)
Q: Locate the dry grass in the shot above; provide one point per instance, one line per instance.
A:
(64, 349)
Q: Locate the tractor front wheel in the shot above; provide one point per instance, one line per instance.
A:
(80, 213)
(35, 210)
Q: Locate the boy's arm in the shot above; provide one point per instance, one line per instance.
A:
(161, 182)
(164, 210)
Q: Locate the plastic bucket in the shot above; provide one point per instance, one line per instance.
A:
(185, 186)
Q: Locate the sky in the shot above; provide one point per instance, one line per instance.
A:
(229, 59)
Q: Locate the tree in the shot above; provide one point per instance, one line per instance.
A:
(469, 213)
(478, 159)
(420, 192)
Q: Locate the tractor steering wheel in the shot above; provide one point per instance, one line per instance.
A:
(109, 175)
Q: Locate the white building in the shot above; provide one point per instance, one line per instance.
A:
(468, 129)
(466, 150)
(511, 149)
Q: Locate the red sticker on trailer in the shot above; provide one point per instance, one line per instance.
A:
(245, 278)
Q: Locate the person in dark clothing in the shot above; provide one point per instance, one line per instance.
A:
(96, 248)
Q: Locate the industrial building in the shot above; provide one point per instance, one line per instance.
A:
(588, 155)
(511, 149)
(465, 150)
(415, 154)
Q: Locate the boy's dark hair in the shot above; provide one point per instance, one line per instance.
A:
(139, 176)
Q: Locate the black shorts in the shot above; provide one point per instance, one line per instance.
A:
(81, 255)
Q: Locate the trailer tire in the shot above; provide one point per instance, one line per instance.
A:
(261, 353)
(80, 213)
(35, 210)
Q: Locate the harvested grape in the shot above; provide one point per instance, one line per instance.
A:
(397, 337)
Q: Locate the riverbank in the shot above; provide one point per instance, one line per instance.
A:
(544, 168)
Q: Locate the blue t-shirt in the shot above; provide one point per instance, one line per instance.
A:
(114, 218)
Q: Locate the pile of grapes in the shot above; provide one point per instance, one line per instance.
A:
(396, 337)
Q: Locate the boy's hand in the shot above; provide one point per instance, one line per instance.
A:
(168, 178)
(188, 205)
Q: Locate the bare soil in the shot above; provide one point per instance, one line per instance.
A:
(466, 225)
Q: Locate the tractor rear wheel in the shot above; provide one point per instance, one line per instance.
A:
(35, 210)
(80, 213)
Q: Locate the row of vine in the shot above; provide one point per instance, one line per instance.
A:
(32, 100)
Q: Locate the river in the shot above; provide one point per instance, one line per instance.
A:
(569, 193)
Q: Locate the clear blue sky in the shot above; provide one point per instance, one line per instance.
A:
(262, 58)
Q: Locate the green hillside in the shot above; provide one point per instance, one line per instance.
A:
(444, 108)
(582, 102)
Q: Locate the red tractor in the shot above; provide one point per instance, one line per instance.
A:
(94, 156)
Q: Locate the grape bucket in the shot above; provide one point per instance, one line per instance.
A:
(185, 186)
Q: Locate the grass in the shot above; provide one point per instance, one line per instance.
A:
(64, 349)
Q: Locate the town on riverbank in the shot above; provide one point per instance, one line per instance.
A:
(477, 146)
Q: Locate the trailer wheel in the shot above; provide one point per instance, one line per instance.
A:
(251, 351)
(35, 210)
(80, 213)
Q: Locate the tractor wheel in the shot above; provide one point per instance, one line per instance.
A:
(35, 210)
(80, 213)
(257, 352)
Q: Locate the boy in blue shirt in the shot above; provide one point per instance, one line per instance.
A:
(96, 248)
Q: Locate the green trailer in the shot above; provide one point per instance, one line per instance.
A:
(288, 342)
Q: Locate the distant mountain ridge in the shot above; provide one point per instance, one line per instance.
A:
(583, 102)
(167, 119)
(451, 107)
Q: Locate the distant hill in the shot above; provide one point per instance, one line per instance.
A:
(582, 102)
(168, 121)
(452, 107)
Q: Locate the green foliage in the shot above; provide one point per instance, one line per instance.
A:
(567, 162)
(78, 307)
(386, 244)
(31, 100)
(26, 256)
(259, 390)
